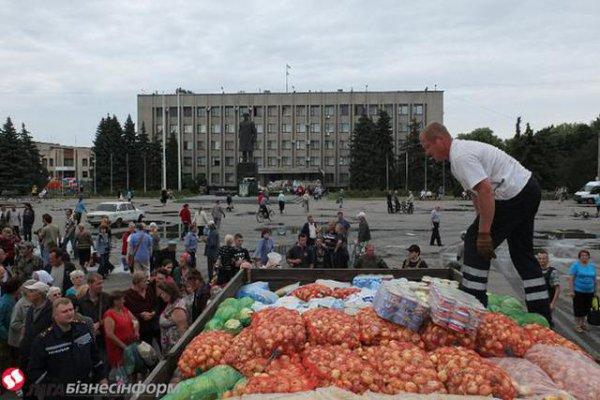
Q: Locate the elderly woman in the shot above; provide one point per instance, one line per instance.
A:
(43, 276)
(54, 293)
(141, 301)
(174, 319)
(83, 245)
(78, 280)
(121, 328)
(264, 246)
(583, 285)
(181, 272)
(7, 243)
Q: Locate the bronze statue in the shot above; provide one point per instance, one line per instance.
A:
(247, 138)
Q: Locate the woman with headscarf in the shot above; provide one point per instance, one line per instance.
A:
(43, 276)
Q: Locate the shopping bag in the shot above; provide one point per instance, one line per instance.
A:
(593, 317)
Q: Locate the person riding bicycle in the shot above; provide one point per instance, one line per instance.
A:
(263, 207)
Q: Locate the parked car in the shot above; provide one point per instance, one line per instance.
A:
(118, 212)
(588, 193)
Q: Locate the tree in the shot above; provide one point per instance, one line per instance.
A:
(12, 166)
(484, 135)
(384, 145)
(363, 155)
(518, 127)
(35, 172)
(109, 149)
(172, 164)
(132, 156)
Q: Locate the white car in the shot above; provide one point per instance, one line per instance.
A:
(118, 212)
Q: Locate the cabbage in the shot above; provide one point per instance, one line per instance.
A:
(494, 308)
(510, 304)
(245, 302)
(496, 299)
(214, 324)
(226, 312)
(534, 318)
(233, 326)
(230, 302)
(245, 316)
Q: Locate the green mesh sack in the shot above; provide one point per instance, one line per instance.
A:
(227, 312)
(233, 326)
(230, 302)
(494, 308)
(534, 318)
(240, 385)
(215, 324)
(495, 299)
(511, 304)
(517, 316)
(245, 316)
(225, 377)
(199, 388)
(245, 302)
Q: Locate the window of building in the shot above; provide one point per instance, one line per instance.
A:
(300, 111)
(258, 145)
(329, 128)
(229, 128)
(215, 111)
(315, 127)
(345, 127)
(243, 110)
(188, 145)
(201, 160)
(188, 129)
(258, 111)
(403, 126)
(418, 109)
(45, 162)
(258, 161)
(158, 112)
(201, 128)
(215, 177)
(286, 128)
(271, 145)
(272, 110)
(329, 179)
(229, 111)
(260, 128)
(286, 144)
(315, 161)
(84, 174)
(359, 109)
(174, 129)
(344, 109)
(215, 128)
(272, 161)
(315, 111)
(201, 145)
(402, 109)
(330, 161)
(229, 145)
(300, 144)
(51, 162)
(344, 177)
(84, 162)
(216, 161)
(229, 162)
(159, 128)
(68, 162)
(173, 112)
(373, 109)
(343, 160)
(286, 111)
(187, 161)
(329, 110)
(229, 177)
(315, 144)
(187, 112)
(201, 111)
(329, 144)
(286, 161)
(300, 161)
(215, 145)
(300, 128)
(344, 144)
(389, 108)
(272, 128)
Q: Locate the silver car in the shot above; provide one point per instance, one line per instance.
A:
(118, 212)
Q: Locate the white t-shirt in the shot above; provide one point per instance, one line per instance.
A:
(471, 162)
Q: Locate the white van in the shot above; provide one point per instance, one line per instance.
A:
(589, 193)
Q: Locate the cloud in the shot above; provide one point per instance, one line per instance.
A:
(65, 64)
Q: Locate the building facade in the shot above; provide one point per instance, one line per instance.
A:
(64, 161)
(300, 135)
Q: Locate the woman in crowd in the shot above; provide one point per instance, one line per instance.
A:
(181, 272)
(265, 246)
(583, 285)
(7, 304)
(7, 242)
(225, 268)
(78, 280)
(54, 293)
(103, 249)
(43, 276)
(155, 246)
(320, 253)
(174, 319)
(201, 221)
(120, 328)
(83, 245)
(142, 304)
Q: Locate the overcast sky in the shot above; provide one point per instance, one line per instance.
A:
(66, 64)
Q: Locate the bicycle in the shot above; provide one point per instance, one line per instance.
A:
(260, 215)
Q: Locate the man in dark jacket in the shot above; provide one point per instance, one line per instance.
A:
(65, 352)
(310, 229)
(37, 319)
(60, 269)
(200, 293)
(93, 304)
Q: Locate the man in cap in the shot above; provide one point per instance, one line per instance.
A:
(27, 262)
(414, 259)
(65, 352)
(37, 319)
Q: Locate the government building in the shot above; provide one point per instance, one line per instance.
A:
(301, 135)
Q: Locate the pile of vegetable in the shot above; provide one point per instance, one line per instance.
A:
(305, 341)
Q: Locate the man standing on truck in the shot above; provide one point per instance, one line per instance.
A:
(506, 199)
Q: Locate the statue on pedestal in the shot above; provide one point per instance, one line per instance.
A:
(247, 138)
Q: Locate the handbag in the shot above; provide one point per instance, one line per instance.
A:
(593, 317)
(131, 257)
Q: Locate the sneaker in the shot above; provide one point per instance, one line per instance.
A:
(578, 329)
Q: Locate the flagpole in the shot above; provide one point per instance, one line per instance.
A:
(286, 78)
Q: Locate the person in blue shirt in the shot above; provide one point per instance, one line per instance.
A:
(190, 242)
(79, 210)
(140, 249)
(597, 206)
(7, 304)
(265, 246)
(583, 285)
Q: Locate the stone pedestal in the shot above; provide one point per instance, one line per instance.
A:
(247, 170)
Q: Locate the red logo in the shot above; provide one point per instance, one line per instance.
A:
(13, 379)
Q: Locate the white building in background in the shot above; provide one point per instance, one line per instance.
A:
(63, 161)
